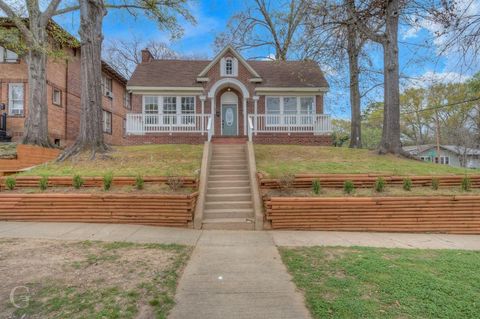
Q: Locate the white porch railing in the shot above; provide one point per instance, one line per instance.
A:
(139, 124)
(268, 123)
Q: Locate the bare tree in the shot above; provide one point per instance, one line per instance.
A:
(125, 54)
(264, 25)
(34, 33)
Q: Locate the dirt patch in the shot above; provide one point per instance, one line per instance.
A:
(8, 150)
(58, 272)
(147, 189)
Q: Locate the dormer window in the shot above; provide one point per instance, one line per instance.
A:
(229, 66)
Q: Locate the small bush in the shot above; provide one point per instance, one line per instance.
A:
(285, 182)
(466, 184)
(175, 182)
(379, 185)
(10, 182)
(316, 187)
(348, 187)
(407, 184)
(77, 181)
(435, 183)
(107, 181)
(43, 183)
(139, 182)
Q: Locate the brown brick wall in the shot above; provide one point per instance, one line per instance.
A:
(64, 119)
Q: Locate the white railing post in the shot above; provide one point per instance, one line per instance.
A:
(250, 128)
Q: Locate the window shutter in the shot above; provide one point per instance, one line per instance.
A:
(235, 67)
(222, 67)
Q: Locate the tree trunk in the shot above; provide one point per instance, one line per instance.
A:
(90, 136)
(36, 123)
(390, 142)
(356, 120)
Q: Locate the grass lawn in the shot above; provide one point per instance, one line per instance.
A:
(386, 283)
(277, 160)
(89, 279)
(144, 160)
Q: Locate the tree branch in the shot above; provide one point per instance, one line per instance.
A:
(19, 23)
(369, 33)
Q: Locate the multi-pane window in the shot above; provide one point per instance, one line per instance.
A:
(169, 109)
(7, 56)
(290, 110)
(150, 109)
(229, 66)
(107, 86)
(15, 98)
(187, 108)
(107, 122)
(57, 96)
(127, 100)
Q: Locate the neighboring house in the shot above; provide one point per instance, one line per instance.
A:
(63, 96)
(449, 155)
(189, 101)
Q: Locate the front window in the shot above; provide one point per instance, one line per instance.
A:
(7, 56)
(15, 98)
(290, 110)
(107, 86)
(273, 110)
(229, 66)
(57, 96)
(127, 97)
(107, 122)
(169, 110)
(188, 108)
(150, 108)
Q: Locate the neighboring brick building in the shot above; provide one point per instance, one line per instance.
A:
(180, 101)
(63, 97)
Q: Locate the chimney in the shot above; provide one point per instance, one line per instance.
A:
(146, 56)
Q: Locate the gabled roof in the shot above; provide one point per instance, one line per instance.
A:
(221, 54)
(184, 73)
(459, 150)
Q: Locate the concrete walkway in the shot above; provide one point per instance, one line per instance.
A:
(234, 274)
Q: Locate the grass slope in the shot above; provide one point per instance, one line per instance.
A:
(277, 160)
(386, 283)
(145, 160)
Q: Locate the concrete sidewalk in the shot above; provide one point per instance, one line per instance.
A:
(151, 234)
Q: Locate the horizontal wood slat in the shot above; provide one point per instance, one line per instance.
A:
(442, 214)
(28, 156)
(365, 180)
(148, 209)
(66, 181)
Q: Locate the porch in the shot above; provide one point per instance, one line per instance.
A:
(204, 125)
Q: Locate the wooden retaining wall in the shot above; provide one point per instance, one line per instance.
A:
(441, 214)
(157, 210)
(365, 180)
(66, 181)
(27, 156)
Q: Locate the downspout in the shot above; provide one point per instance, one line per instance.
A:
(66, 103)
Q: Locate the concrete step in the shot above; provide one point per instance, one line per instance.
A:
(228, 224)
(228, 158)
(233, 161)
(213, 172)
(228, 204)
(228, 213)
(228, 166)
(227, 197)
(228, 177)
(228, 190)
(223, 183)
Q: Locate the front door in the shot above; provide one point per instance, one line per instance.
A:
(229, 120)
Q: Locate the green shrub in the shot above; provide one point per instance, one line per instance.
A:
(435, 183)
(316, 187)
(379, 185)
(466, 184)
(407, 184)
(77, 181)
(139, 182)
(10, 182)
(107, 181)
(43, 183)
(348, 187)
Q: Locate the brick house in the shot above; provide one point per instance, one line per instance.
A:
(191, 101)
(63, 97)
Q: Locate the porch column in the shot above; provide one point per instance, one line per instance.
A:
(244, 116)
(202, 117)
(255, 112)
(212, 106)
